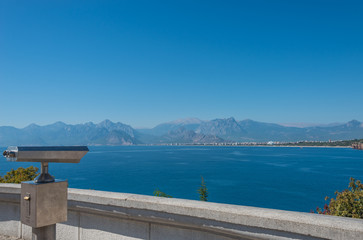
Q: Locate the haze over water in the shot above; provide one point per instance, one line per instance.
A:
(271, 177)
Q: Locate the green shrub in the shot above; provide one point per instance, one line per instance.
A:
(159, 193)
(19, 175)
(348, 203)
(203, 191)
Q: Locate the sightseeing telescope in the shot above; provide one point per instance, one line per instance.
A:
(43, 201)
(45, 155)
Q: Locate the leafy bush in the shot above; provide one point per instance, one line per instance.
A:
(348, 203)
(203, 191)
(159, 193)
(19, 175)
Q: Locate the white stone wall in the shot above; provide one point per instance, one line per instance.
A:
(109, 215)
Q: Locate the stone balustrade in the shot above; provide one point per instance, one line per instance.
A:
(109, 215)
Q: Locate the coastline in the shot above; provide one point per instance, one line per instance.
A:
(230, 145)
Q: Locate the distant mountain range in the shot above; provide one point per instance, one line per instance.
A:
(186, 131)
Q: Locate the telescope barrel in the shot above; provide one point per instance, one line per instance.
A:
(61, 154)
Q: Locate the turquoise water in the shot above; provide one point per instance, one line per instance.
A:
(272, 177)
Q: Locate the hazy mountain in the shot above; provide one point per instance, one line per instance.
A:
(228, 129)
(249, 130)
(306, 125)
(180, 131)
(350, 130)
(164, 128)
(260, 132)
(183, 135)
(59, 133)
(110, 126)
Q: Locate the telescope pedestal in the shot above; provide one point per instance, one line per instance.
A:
(43, 204)
(44, 233)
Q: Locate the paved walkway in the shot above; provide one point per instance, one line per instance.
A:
(8, 238)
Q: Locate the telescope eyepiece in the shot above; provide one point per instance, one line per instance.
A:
(9, 154)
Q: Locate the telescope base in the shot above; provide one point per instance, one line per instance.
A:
(44, 178)
(44, 233)
(43, 204)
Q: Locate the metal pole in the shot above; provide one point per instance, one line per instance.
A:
(44, 233)
(44, 176)
(44, 167)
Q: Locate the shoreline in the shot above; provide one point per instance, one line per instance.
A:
(211, 145)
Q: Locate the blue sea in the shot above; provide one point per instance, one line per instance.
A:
(288, 178)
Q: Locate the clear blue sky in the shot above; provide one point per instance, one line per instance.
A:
(147, 62)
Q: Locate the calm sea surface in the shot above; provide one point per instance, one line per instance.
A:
(271, 177)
